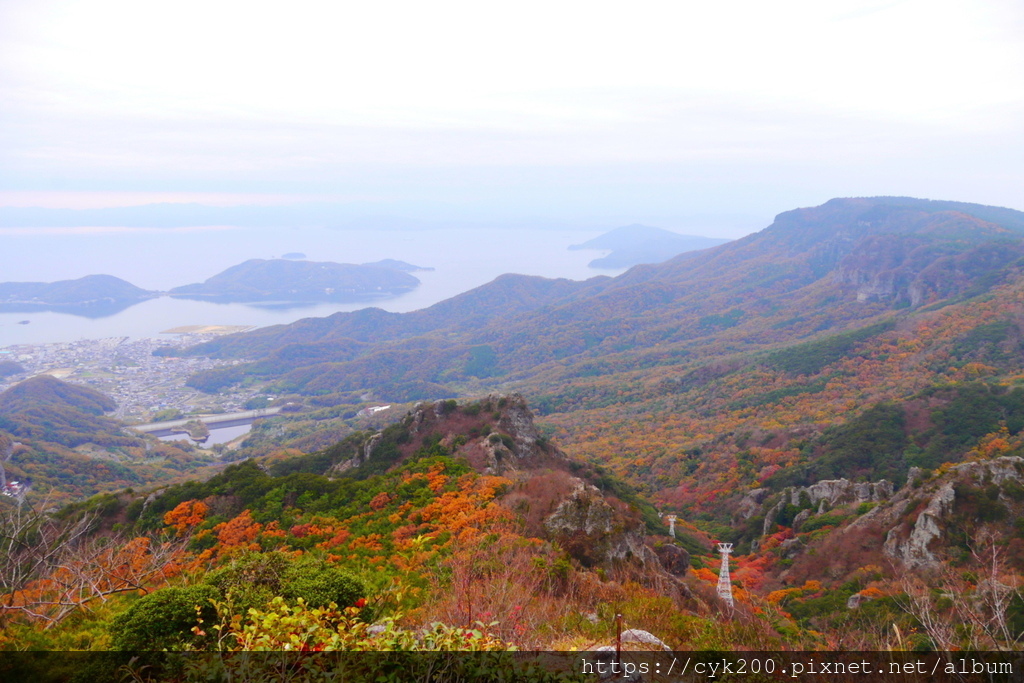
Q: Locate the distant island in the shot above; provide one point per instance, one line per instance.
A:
(294, 255)
(289, 279)
(259, 280)
(398, 265)
(91, 296)
(635, 244)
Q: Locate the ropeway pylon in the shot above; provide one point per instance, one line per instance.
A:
(671, 525)
(724, 582)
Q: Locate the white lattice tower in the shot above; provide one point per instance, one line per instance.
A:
(724, 582)
(671, 525)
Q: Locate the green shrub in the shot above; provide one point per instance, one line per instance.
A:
(262, 569)
(503, 439)
(820, 521)
(163, 620)
(320, 584)
(252, 580)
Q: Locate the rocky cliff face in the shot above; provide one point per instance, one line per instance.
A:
(812, 500)
(916, 269)
(922, 517)
(555, 496)
(496, 434)
(594, 531)
(917, 527)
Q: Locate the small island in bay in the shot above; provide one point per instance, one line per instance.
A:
(196, 430)
(259, 280)
(91, 296)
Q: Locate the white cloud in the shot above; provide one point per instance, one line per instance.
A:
(419, 63)
(200, 89)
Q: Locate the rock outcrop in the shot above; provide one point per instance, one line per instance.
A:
(361, 457)
(918, 268)
(517, 421)
(913, 550)
(674, 559)
(594, 532)
(497, 435)
(920, 517)
(915, 528)
(814, 499)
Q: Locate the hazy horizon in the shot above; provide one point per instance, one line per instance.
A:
(695, 118)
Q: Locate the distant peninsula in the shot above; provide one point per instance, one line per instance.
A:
(398, 265)
(89, 296)
(634, 244)
(279, 280)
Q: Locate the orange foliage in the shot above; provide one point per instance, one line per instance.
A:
(368, 542)
(239, 532)
(96, 571)
(775, 597)
(380, 501)
(436, 479)
(751, 570)
(872, 592)
(274, 530)
(334, 541)
(706, 574)
(996, 444)
(186, 516)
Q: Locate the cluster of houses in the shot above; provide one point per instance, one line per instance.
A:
(14, 489)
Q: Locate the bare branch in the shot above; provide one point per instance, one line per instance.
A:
(49, 568)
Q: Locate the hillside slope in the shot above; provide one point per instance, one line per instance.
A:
(827, 268)
(67, 448)
(731, 368)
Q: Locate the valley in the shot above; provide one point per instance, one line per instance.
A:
(484, 343)
(840, 397)
(126, 370)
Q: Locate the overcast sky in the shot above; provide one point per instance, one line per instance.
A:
(677, 113)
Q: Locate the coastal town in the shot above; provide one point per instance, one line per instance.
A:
(143, 385)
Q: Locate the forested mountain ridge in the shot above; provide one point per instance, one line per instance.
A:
(455, 514)
(672, 373)
(44, 391)
(841, 396)
(813, 270)
(506, 295)
(69, 448)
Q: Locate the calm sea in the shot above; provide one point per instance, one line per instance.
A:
(161, 259)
